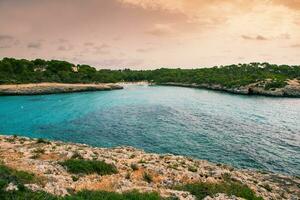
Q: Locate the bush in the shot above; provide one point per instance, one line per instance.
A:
(100, 195)
(8, 175)
(42, 141)
(275, 84)
(88, 167)
(20, 178)
(134, 167)
(147, 177)
(202, 190)
(192, 169)
(76, 155)
(39, 151)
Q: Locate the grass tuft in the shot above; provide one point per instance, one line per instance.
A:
(202, 190)
(134, 167)
(88, 167)
(42, 141)
(147, 177)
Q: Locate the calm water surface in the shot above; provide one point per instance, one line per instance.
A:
(246, 132)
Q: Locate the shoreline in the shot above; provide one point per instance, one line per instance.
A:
(292, 91)
(42, 158)
(53, 88)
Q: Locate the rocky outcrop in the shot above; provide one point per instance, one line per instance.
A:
(53, 88)
(292, 89)
(166, 170)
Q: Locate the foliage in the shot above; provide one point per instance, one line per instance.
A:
(42, 141)
(13, 71)
(134, 167)
(77, 166)
(8, 175)
(147, 177)
(275, 84)
(101, 195)
(202, 190)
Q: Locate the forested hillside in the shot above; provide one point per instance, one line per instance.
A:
(14, 71)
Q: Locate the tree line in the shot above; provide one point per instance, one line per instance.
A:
(17, 71)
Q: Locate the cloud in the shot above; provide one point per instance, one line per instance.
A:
(258, 37)
(144, 50)
(6, 37)
(34, 45)
(120, 63)
(295, 45)
(61, 40)
(89, 44)
(292, 4)
(102, 49)
(7, 41)
(160, 30)
(65, 48)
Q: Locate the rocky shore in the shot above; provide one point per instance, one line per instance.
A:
(292, 89)
(42, 158)
(53, 88)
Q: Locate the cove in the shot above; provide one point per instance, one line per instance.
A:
(243, 131)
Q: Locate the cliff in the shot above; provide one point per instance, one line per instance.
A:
(292, 89)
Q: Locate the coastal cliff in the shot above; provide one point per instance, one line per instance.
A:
(291, 89)
(66, 169)
(53, 88)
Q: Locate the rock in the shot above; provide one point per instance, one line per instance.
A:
(53, 88)
(222, 197)
(166, 171)
(11, 187)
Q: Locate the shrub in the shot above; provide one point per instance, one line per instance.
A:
(42, 141)
(147, 177)
(75, 178)
(127, 176)
(39, 151)
(88, 167)
(100, 195)
(192, 169)
(275, 84)
(201, 190)
(8, 175)
(134, 167)
(76, 155)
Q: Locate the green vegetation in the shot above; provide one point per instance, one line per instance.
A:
(13, 71)
(192, 169)
(8, 175)
(202, 190)
(42, 141)
(76, 155)
(134, 167)
(147, 177)
(77, 166)
(19, 178)
(101, 195)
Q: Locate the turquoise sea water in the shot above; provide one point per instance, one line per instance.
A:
(244, 131)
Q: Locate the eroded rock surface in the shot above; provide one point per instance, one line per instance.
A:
(53, 88)
(167, 170)
(292, 89)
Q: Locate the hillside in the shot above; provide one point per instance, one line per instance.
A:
(253, 78)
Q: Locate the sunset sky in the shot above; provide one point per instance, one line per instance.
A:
(147, 34)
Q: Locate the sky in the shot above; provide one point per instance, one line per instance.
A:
(148, 34)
